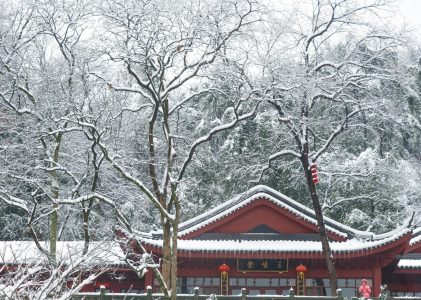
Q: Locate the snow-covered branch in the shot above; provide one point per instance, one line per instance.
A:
(340, 201)
(276, 156)
(21, 111)
(209, 135)
(335, 133)
(37, 279)
(14, 201)
(191, 97)
(100, 197)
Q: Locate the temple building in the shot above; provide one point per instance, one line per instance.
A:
(267, 240)
(268, 243)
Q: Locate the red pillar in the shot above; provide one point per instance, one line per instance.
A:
(377, 281)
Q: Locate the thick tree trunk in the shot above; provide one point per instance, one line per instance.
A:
(53, 233)
(86, 212)
(166, 257)
(175, 201)
(327, 253)
(54, 213)
(55, 193)
(173, 279)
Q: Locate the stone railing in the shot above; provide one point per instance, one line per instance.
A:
(103, 295)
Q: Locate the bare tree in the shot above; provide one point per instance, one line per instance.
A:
(332, 81)
(145, 72)
(43, 75)
(158, 48)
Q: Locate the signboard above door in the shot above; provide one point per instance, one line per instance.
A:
(262, 265)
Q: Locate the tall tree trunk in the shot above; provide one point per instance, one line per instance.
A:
(174, 246)
(305, 112)
(166, 256)
(173, 279)
(55, 195)
(53, 233)
(86, 210)
(330, 263)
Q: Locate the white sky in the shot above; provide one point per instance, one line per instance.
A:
(406, 12)
(410, 11)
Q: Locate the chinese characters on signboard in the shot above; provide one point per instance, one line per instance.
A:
(262, 265)
(300, 284)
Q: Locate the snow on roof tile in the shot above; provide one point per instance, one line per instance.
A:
(410, 261)
(279, 199)
(409, 264)
(416, 236)
(26, 252)
(352, 245)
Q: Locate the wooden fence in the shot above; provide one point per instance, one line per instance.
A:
(103, 295)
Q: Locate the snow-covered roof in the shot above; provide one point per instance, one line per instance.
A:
(409, 264)
(410, 261)
(416, 236)
(264, 192)
(26, 252)
(277, 246)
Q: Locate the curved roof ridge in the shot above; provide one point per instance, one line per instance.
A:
(416, 232)
(405, 225)
(248, 196)
(261, 191)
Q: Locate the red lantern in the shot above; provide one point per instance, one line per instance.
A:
(224, 268)
(104, 284)
(313, 171)
(301, 268)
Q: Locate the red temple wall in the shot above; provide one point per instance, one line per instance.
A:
(262, 214)
(417, 249)
(117, 281)
(410, 286)
(209, 268)
(357, 269)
